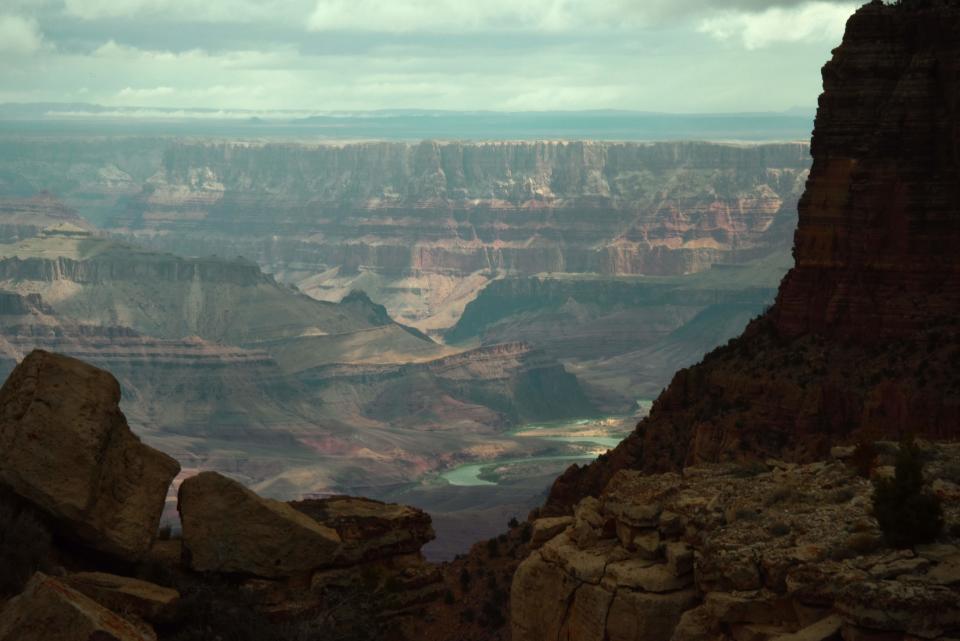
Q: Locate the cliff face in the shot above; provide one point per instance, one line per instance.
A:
(392, 217)
(876, 243)
(863, 339)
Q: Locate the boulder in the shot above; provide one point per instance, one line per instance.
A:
(143, 599)
(546, 529)
(65, 446)
(48, 610)
(228, 528)
(370, 529)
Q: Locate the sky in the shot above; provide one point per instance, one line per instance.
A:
(687, 56)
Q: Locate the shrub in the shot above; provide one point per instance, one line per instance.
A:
(166, 531)
(513, 522)
(526, 532)
(493, 548)
(465, 579)
(779, 529)
(24, 546)
(908, 514)
(492, 616)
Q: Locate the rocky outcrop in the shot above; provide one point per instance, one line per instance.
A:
(863, 339)
(47, 609)
(297, 558)
(132, 597)
(227, 528)
(22, 218)
(65, 447)
(725, 552)
(370, 529)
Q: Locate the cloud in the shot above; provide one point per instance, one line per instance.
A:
(822, 21)
(19, 36)
(137, 94)
(225, 11)
(459, 16)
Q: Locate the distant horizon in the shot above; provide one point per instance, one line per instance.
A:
(75, 109)
(47, 119)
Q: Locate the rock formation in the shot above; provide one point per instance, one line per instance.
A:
(863, 339)
(228, 528)
(770, 551)
(66, 451)
(368, 529)
(423, 227)
(22, 218)
(66, 447)
(47, 609)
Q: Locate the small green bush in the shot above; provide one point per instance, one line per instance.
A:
(907, 512)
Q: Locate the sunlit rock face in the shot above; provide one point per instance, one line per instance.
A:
(423, 227)
(863, 339)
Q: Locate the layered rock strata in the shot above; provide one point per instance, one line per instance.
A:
(423, 227)
(763, 552)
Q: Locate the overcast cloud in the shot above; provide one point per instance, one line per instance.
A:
(651, 55)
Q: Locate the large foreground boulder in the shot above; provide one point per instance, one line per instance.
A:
(65, 446)
(228, 528)
(48, 610)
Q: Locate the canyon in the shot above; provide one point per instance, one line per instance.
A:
(436, 231)
(226, 369)
(747, 506)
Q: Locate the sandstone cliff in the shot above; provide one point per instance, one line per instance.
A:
(863, 339)
(438, 219)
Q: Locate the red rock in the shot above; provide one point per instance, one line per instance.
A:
(864, 338)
